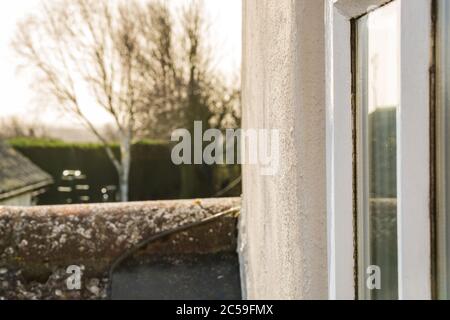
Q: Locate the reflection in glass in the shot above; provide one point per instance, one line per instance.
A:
(377, 98)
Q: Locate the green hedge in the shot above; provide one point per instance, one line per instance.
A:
(153, 175)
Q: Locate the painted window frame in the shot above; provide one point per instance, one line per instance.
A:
(413, 148)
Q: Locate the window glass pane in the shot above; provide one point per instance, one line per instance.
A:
(377, 83)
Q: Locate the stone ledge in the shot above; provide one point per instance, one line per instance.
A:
(39, 242)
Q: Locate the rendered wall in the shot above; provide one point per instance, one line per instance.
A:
(283, 236)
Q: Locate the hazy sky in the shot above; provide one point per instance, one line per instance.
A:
(17, 99)
(384, 57)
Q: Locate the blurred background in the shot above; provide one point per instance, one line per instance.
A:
(93, 89)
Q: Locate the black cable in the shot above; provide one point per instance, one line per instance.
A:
(162, 234)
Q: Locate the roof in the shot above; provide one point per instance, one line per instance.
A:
(18, 174)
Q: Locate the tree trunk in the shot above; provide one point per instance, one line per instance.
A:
(124, 172)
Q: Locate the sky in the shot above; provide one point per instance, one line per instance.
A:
(384, 57)
(19, 100)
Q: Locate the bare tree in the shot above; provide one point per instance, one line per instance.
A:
(126, 53)
(207, 97)
(100, 46)
(161, 60)
(189, 87)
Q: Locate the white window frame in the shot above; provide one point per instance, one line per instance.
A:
(413, 147)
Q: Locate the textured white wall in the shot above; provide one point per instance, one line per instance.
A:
(283, 236)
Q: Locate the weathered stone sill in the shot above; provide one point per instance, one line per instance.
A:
(37, 244)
